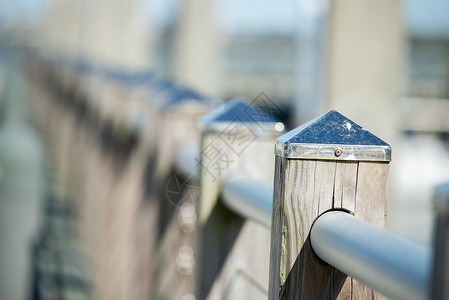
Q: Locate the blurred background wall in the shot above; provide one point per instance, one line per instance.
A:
(384, 64)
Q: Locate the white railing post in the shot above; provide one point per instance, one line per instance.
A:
(328, 163)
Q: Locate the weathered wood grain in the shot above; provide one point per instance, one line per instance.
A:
(371, 197)
(344, 197)
(277, 252)
(345, 185)
(304, 189)
(370, 206)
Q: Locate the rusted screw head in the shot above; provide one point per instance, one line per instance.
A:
(337, 152)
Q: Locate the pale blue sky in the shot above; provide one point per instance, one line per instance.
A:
(27, 10)
(422, 17)
(429, 17)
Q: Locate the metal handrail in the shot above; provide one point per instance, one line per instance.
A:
(249, 197)
(186, 160)
(246, 196)
(390, 264)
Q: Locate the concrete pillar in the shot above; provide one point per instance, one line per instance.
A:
(197, 46)
(364, 55)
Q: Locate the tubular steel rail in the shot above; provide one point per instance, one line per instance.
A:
(249, 197)
(392, 265)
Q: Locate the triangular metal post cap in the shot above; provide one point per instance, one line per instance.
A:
(180, 98)
(332, 136)
(239, 111)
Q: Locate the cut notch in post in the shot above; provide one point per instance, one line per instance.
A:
(328, 163)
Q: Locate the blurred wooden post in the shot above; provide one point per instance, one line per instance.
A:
(175, 193)
(440, 280)
(232, 253)
(328, 163)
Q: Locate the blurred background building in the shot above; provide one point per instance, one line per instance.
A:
(384, 64)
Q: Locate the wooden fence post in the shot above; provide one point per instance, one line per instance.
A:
(173, 262)
(232, 254)
(327, 163)
(440, 275)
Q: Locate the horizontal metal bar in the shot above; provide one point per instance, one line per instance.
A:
(246, 196)
(386, 262)
(249, 198)
(186, 160)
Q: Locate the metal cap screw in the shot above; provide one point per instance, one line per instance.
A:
(337, 152)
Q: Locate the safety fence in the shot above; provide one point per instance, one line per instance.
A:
(174, 194)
